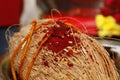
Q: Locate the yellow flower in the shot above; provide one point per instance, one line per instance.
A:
(107, 26)
(100, 19)
(109, 23)
(103, 33)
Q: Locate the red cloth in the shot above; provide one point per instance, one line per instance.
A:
(10, 11)
(79, 1)
(112, 7)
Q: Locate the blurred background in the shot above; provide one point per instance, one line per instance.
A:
(100, 17)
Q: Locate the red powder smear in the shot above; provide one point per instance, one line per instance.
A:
(60, 37)
(70, 64)
(56, 59)
(69, 53)
(46, 63)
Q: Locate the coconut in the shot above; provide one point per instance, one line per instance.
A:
(51, 49)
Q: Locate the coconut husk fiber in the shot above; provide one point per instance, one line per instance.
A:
(56, 50)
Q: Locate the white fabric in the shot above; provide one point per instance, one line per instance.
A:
(30, 12)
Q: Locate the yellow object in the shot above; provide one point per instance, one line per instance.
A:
(107, 26)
